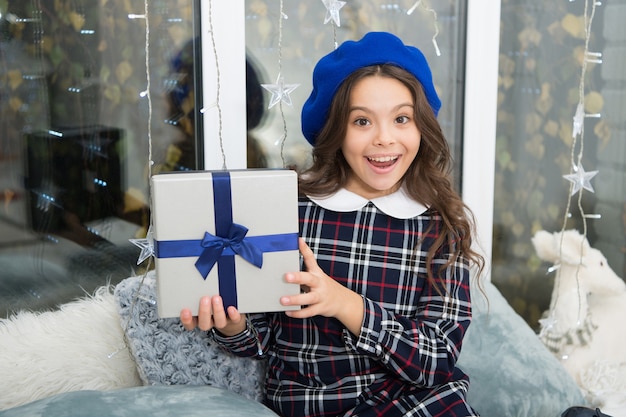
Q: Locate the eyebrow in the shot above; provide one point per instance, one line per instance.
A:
(365, 109)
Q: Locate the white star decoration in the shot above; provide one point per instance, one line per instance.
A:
(280, 91)
(581, 179)
(579, 118)
(332, 11)
(146, 245)
(546, 325)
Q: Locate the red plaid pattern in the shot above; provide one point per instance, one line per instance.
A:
(403, 362)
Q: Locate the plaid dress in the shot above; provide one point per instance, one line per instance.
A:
(403, 361)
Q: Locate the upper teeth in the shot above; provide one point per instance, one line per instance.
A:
(383, 158)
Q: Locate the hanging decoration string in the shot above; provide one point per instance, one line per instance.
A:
(281, 91)
(148, 93)
(434, 13)
(281, 17)
(332, 14)
(217, 87)
(146, 245)
(579, 181)
(44, 199)
(38, 32)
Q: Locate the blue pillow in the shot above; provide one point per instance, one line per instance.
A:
(154, 401)
(511, 372)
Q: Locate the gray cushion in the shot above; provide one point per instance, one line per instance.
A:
(511, 372)
(167, 354)
(153, 401)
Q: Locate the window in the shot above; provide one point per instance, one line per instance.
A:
(78, 129)
(75, 140)
(540, 70)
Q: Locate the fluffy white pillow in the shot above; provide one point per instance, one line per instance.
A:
(80, 346)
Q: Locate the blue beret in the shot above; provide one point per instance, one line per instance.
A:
(374, 48)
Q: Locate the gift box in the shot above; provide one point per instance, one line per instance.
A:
(233, 233)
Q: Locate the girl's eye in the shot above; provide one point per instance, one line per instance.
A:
(402, 119)
(361, 122)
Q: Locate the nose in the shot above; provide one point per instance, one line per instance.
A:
(384, 136)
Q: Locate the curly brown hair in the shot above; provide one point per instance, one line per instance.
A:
(428, 179)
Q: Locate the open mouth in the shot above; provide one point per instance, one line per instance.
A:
(383, 161)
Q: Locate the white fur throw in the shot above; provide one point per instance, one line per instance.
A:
(167, 354)
(80, 346)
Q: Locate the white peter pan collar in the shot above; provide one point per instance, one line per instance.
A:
(397, 204)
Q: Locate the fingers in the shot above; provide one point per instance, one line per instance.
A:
(210, 314)
(303, 313)
(219, 315)
(205, 314)
(306, 298)
(308, 303)
(234, 315)
(307, 255)
(300, 299)
(188, 321)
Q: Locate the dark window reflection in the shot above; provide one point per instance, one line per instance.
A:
(75, 140)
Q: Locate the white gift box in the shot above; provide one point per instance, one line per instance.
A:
(202, 247)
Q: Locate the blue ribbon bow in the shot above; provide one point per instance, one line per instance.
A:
(214, 247)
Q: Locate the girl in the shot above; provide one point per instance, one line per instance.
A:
(386, 248)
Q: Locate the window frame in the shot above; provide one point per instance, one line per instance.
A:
(479, 132)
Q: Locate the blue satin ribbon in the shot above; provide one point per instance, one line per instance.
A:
(214, 248)
(193, 247)
(230, 239)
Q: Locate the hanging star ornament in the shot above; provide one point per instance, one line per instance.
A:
(580, 179)
(332, 11)
(146, 245)
(280, 91)
(579, 118)
(546, 324)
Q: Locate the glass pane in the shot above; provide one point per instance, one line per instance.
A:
(542, 46)
(303, 39)
(77, 132)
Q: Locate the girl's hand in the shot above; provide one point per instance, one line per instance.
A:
(323, 295)
(211, 314)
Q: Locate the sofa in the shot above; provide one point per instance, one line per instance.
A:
(109, 354)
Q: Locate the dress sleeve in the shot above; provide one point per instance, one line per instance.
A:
(253, 341)
(421, 350)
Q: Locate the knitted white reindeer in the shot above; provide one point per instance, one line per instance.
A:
(585, 326)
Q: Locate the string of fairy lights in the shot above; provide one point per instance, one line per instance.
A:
(432, 11)
(146, 244)
(579, 181)
(281, 91)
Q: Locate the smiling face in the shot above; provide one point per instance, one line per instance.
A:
(382, 138)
